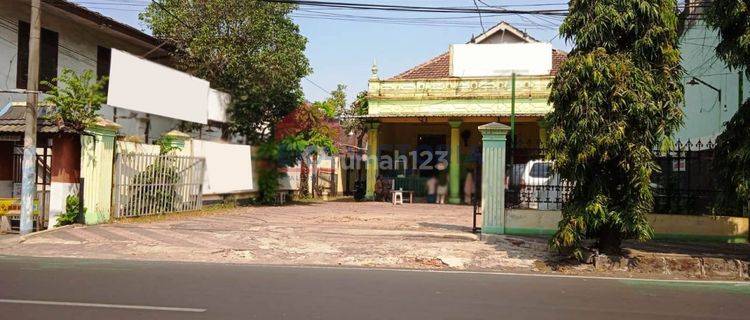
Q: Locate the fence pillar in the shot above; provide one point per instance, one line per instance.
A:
(66, 173)
(493, 177)
(177, 139)
(97, 155)
(372, 159)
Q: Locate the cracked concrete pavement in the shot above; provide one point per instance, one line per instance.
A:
(368, 234)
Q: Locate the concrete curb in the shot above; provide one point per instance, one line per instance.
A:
(402, 233)
(38, 233)
(672, 264)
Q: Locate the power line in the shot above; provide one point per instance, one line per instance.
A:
(317, 85)
(402, 8)
(481, 23)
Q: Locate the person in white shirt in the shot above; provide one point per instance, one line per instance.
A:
(431, 185)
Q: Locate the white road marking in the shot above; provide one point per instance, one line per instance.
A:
(101, 305)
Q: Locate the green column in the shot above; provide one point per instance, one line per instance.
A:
(493, 177)
(542, 134)
(455, 164)
(372, 159)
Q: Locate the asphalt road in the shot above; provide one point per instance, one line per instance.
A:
(51, 288)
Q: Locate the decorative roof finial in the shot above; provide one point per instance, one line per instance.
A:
(374, 69)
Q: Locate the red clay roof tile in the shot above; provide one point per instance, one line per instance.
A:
(439, 67)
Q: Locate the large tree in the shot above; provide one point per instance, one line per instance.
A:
(731, 18)
(313, 135)
(251, 49)
(349, 120)
(616, 98)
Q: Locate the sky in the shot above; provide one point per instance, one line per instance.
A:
(343, 44)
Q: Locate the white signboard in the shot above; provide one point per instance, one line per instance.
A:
(228, 167)
(218, 103)
(487, 60)
(140, 85)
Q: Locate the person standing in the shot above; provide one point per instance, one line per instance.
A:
(468, 188)
(431, 185)
(442, 189)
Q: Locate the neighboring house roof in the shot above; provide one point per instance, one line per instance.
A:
(558, 57)
(101, 20)
(439, 67)
(503, 28)
(13, 119)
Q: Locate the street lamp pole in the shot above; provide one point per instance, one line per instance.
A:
(696, 81)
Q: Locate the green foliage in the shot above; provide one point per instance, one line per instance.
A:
(77, 99)
(249, 48)
(359, 107)
(72, 209)
(616, 98)
(268, 172)
(315, 134)
(732, 161)
(732, 19)
(166, 145)
(338, 101)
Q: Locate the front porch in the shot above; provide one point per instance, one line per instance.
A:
(407, 150)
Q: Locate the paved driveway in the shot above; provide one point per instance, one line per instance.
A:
(332, 233)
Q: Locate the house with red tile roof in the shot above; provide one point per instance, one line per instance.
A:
(430, 113)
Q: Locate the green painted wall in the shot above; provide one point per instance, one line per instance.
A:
(524, 106)
(666, 226)
(704, 116)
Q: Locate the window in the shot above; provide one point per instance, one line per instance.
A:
(47, 56)
(541, 170)
(103, 59)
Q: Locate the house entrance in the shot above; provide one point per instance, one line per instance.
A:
(431, 149)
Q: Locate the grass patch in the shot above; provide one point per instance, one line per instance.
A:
(207, 210)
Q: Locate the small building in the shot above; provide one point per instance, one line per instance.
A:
(713, 92)
(430, 113)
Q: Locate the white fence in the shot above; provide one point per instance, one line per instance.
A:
(147, 184)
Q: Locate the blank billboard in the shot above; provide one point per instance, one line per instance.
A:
(140, 85)
(487, 60)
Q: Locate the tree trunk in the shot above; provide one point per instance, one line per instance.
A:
(610, 240)
(303, 178)
(315, 176)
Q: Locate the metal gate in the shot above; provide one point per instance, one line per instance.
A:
(147, 184)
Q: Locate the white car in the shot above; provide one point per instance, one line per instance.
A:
(541, 188)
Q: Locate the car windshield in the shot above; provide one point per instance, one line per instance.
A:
(541, 170)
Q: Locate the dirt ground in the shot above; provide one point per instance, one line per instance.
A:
(372, 234)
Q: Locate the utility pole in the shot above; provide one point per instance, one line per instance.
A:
(28, 183)
(513, 110)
